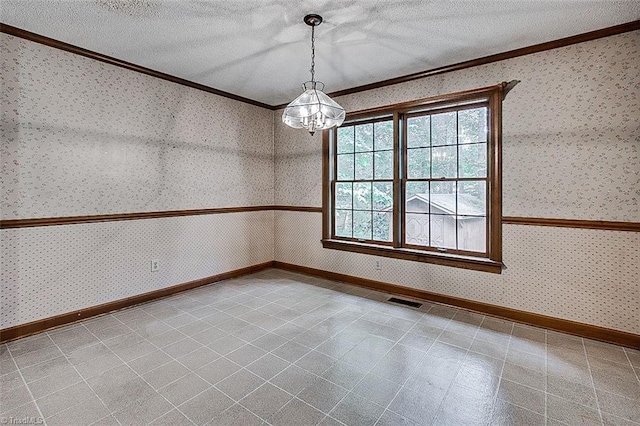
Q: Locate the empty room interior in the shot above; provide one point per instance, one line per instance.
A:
(367, 212)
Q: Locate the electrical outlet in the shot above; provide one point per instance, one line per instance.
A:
(376, 265)
(155, 265)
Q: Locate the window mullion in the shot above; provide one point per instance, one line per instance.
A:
(457, 176)
(373, 171)
(398, 165)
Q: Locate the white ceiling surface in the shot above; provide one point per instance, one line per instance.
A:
(260, 49)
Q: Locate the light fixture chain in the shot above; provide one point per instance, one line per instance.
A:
(313, 53)
(313, 109)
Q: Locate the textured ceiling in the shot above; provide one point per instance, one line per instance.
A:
(260, 49)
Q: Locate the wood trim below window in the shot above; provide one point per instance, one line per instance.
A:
(465, 262)
(589, 331)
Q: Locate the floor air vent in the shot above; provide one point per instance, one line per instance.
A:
(405, 302)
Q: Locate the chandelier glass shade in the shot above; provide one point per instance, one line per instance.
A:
(313, 109)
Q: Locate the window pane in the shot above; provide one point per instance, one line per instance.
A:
(472, 125)
(417, 197)
(382, 226)
(444, 162)
(443, 129)
(418, 131)
(344, 195)
(418, 163)
(362, 195)
(472, 233)
(345, 139)
(384, 135)
(364, 166)
(382, 195)
(345, 167)
(473, 160)
(343, 223)
(443, 198)
(443, 214)
(472, 198)
(443, 231)
(417, 229)
(362, 225)
(383, 164)
(364, 137)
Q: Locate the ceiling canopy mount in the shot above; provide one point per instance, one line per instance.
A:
(313, 20)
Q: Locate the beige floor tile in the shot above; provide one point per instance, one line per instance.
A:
(376, 389)
(172, 418)
(618, 405)
(584, 395)
(266, 400)
(293, 379)
(353, 354)
(14, 397)
(507, 414)
(570, 412)
(522, 396)
(420, 406)
(143, 410)
(240, 384)
(291, 351)
(184, 389)
(345, 374)
(235, 415)
(296, 413)
(525, 376)
(65, 398)
(246, 354)
(357, 411)
(204, 407)
(217, 370)
(88, 412)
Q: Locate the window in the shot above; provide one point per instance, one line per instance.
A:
(418, 181)
(363, 192)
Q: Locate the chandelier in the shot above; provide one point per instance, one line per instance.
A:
(313, 109)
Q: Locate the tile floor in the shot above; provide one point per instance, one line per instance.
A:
(284, 349)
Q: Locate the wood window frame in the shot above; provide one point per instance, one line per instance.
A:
(491, 261)
(372, 180)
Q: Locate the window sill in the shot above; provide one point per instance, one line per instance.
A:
(457, 261)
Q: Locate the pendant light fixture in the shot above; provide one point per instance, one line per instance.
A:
(313, 110)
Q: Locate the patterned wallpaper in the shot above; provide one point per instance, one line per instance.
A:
(571, 149)
(81, 137)
(50, 270)
(582, 275)
(571, 131)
